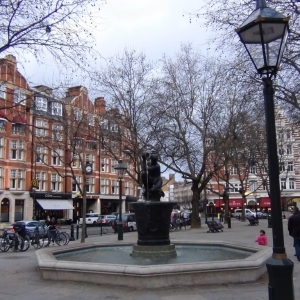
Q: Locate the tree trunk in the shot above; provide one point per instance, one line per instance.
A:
(226, 212)
(83, 228)
(243, 217)
(195, 219)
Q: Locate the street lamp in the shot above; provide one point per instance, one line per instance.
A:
(264, 34)
(121, 170)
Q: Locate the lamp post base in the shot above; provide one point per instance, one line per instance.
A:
(120, 231)
(280, 279)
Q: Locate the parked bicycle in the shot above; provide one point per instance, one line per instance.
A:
(60, 238)
(175, 225)
(37, 239)
(13, 241)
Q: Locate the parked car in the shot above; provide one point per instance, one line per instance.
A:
(128, 220)
(262, 215)
(90, 219)
(30, 227)
(106, 220)
(248, 213)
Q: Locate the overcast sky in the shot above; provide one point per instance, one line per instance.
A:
(154, 27)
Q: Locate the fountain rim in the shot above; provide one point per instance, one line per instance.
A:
(47, 260)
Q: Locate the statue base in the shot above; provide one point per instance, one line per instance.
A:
(154, 252)
(153, 222)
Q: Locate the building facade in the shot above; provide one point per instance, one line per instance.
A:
(46, 144)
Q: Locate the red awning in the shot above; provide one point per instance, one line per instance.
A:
(265, 202)
(2, 116)
(218, 202)
(235, 202)
(19, 120)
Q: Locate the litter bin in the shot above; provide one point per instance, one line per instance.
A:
(269, 221)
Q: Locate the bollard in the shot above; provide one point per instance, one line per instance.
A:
(101, 227)
(269, 221)
(229, 221)
(77, 232)
(72, 233)
(86, 231)
(37, 235)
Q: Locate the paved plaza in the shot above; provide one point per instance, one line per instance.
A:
(21, 279)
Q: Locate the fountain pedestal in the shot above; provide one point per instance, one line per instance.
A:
(153, 225)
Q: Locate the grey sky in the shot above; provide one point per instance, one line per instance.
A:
(154, 27)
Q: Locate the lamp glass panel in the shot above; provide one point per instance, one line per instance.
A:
(256, 53)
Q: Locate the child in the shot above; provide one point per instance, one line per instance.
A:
(262, 238)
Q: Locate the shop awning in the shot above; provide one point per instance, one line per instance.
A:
(55, 204)
(265, 202)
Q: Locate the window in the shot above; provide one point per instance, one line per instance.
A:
(56, 109)
(2, 125)
(288, 134)
(280, 135)
(17, 150)
(252, 170)
(114, 127)
(252, 186)
(19, 96)
(289, 149)
(114, 186)
(91, 145)
(104, 145)
(41, 128)
(56, 157)
(234, 187)
(89, 158)
(16, 179)
(283, 183)
(115, 146)
(89, 184)
(290, 167)
(40, 154)
(74, 184)
(265, 183)
(75, 162)
(113, 164)
(281, 167)
(233, 171)
(2, 90)
(104, 186)
(77, 141)
(55, 182)
(127, 187)
(280, 151)
(41, 177)
(1, 147)
(77, 115)
(57, 132)
(291, 183)
(298, 148)
(104, 164)
(91, 119)
(1, 178)
(104, 124)
(18, 128)
(41, 103)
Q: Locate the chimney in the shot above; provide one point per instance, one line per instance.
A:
(100, 105)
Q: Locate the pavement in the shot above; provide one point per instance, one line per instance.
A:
(21, 278)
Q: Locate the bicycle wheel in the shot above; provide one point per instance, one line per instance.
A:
(20, 244)
(4, 244)
(67, 238)
(25, 243)
(60, 239)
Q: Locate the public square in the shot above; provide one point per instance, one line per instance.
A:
(21, 278)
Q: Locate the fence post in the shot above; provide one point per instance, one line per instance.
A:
(77, 232)
(72, 233)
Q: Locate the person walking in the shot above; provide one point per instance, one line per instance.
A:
(262, 238)
(294, 230)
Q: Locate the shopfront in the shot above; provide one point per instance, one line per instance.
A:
(57, 205)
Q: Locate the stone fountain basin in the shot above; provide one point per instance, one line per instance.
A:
(249, 269)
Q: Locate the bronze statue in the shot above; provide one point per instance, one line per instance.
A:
(152, 180)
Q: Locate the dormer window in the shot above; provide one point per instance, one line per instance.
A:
(56, 109)
(41, 103)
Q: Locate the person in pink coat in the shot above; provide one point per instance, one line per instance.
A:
(262, 238)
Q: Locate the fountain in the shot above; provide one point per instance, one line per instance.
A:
(153, 261)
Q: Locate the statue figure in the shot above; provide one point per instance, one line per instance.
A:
(151, 177)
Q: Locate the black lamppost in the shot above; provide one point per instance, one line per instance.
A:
(264, 34)
(121, 170)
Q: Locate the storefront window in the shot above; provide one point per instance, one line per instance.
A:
(5, 210)
(19, 210)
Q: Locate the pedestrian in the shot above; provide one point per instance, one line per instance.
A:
(294, 230)
(262, 238)
(47, 220)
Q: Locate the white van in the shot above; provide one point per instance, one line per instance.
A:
(248, 213)
(90, 219)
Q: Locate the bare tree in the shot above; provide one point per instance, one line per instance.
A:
(60, 27)
(127, 83)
